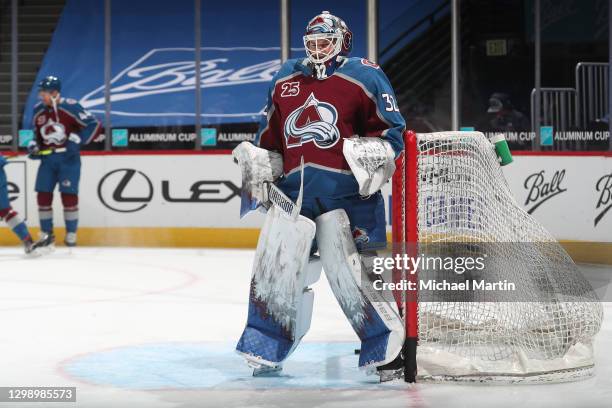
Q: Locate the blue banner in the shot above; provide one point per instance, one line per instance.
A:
(153, 57)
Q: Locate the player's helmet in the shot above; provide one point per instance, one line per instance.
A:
(327, 38)
(50, 83)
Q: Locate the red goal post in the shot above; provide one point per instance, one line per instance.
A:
(405, 235)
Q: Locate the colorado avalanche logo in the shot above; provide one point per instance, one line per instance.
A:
(315, 121)
(321, 24)
(360, 236)
(53, 133)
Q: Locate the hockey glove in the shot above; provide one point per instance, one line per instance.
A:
(73, 146)
(372, 161)
(33, 150)
(258, 167)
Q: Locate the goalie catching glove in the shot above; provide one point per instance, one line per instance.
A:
(258, 167)
(372, 161)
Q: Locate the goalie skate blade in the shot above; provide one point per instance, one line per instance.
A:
(390, 375)
(265, 371)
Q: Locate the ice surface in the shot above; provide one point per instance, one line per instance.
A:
(157, 327)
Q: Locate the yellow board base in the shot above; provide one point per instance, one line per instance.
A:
(580, 251)
(589, 252)
(152, 237)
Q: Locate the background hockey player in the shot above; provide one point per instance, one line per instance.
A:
(339, 116)
(62, 126)
(10, 216)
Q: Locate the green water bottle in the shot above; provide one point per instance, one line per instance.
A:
(501, 149)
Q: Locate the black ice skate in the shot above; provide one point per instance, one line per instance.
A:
(41, 247)
(391, 371)
(46, 243)
(29, 247)
(262, 370)
(266, 371)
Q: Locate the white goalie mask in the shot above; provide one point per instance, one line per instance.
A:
(322, 47)
(327, 37)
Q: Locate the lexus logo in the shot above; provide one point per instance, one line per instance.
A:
(125, 190)
(13, 191)
(129, 190)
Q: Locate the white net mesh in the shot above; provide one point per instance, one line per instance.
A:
(540, 332)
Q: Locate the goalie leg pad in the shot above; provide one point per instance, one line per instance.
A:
(373, 316)
(280, 302)
(313, 273)
(313, 270)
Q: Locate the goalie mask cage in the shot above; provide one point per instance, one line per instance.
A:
(449, 188)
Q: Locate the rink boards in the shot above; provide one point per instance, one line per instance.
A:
(189, 199)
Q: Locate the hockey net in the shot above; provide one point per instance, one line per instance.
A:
(449, 197)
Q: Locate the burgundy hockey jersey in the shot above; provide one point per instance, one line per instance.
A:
(310, 118)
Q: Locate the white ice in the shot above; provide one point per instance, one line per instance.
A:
(157, 327)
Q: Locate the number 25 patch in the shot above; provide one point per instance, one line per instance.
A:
(290, 89)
